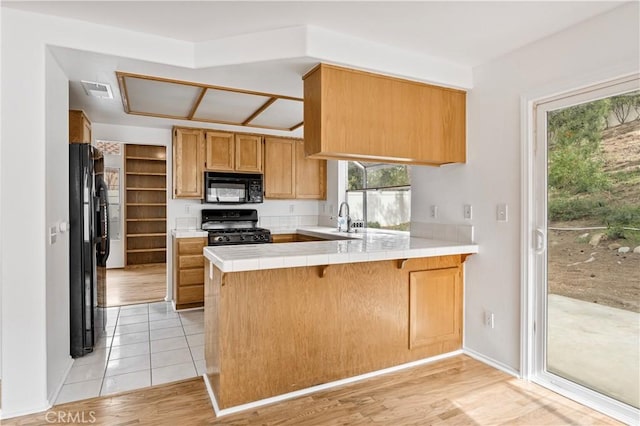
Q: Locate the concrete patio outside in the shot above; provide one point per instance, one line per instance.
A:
(596, 346)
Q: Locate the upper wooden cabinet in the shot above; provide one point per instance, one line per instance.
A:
(279, 168)
(219, 151)
(288, 174)
(311, 175)
(238, 152)
(350, 114)
(188, 155)
(248, 153)
(79, 127)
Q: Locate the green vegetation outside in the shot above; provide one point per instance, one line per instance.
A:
(580, 185)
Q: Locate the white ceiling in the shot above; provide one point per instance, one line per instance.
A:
(465, 33)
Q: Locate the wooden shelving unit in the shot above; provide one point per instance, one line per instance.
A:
(146, 204)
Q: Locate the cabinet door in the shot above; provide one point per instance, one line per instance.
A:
(79, 127)
(220, 152)
(248, 153)
(279, 168)
(188, 153)
(311, 176)
(435, 306)
(188, 271)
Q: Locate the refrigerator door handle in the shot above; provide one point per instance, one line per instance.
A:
(104, 245)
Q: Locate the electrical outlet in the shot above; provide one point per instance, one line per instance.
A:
(358, 224)
(468, 212)
(434, 211)
(489, 319)
(292, 208)
(187, 210)
(502, 213)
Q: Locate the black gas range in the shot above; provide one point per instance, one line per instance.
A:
(234, 226)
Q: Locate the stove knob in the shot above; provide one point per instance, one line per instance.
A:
(218, 238)
(226, 238)
(255, 238)
(262, 237)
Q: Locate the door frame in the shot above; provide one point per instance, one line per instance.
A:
(533, 301)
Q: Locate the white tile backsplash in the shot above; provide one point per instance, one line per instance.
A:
(287, 222)
(443, 231)
(189, 222)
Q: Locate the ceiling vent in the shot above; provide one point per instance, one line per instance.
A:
(98, 90)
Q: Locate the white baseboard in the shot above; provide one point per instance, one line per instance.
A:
(54, 395)
(4, 414)
(324, 386)
(492, 362)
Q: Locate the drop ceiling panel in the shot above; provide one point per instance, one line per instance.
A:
(160, 97)
(222, 105)
(283, 113)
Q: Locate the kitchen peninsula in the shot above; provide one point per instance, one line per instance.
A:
(285, 317)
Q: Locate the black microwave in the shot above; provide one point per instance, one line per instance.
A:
(232, 188)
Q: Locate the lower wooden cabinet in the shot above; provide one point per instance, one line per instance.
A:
(294, 238)
(188, 272)
(435, 306)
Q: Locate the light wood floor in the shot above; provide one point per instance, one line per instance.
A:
(459, 391)
(138, 284)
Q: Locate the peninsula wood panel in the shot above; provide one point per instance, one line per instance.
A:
(351, 114)
(279, 168)
(311, 175)
(248, 153)
(435, 311)
(219, 151)
(188, 163)
(274, 331)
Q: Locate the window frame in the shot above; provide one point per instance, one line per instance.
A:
(366, 189)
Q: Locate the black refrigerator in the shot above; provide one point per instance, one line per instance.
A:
(88, 247)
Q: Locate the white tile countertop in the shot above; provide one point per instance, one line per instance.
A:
(365, 246)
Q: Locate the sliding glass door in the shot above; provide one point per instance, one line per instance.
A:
(587, 238)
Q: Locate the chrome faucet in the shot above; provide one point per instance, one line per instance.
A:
(342, 217)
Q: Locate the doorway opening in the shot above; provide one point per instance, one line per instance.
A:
(136, 178)
(586, 262)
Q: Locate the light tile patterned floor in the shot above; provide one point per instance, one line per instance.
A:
(145, 345)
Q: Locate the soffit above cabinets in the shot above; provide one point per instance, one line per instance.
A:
(184, 100)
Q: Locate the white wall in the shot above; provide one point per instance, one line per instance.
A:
(57, 211)
(588, 52)
(24, 350)
(24, 174)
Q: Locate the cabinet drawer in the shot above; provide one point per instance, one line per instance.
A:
(191, 246)
(192, 261)
(191, 277)
(191, 294)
